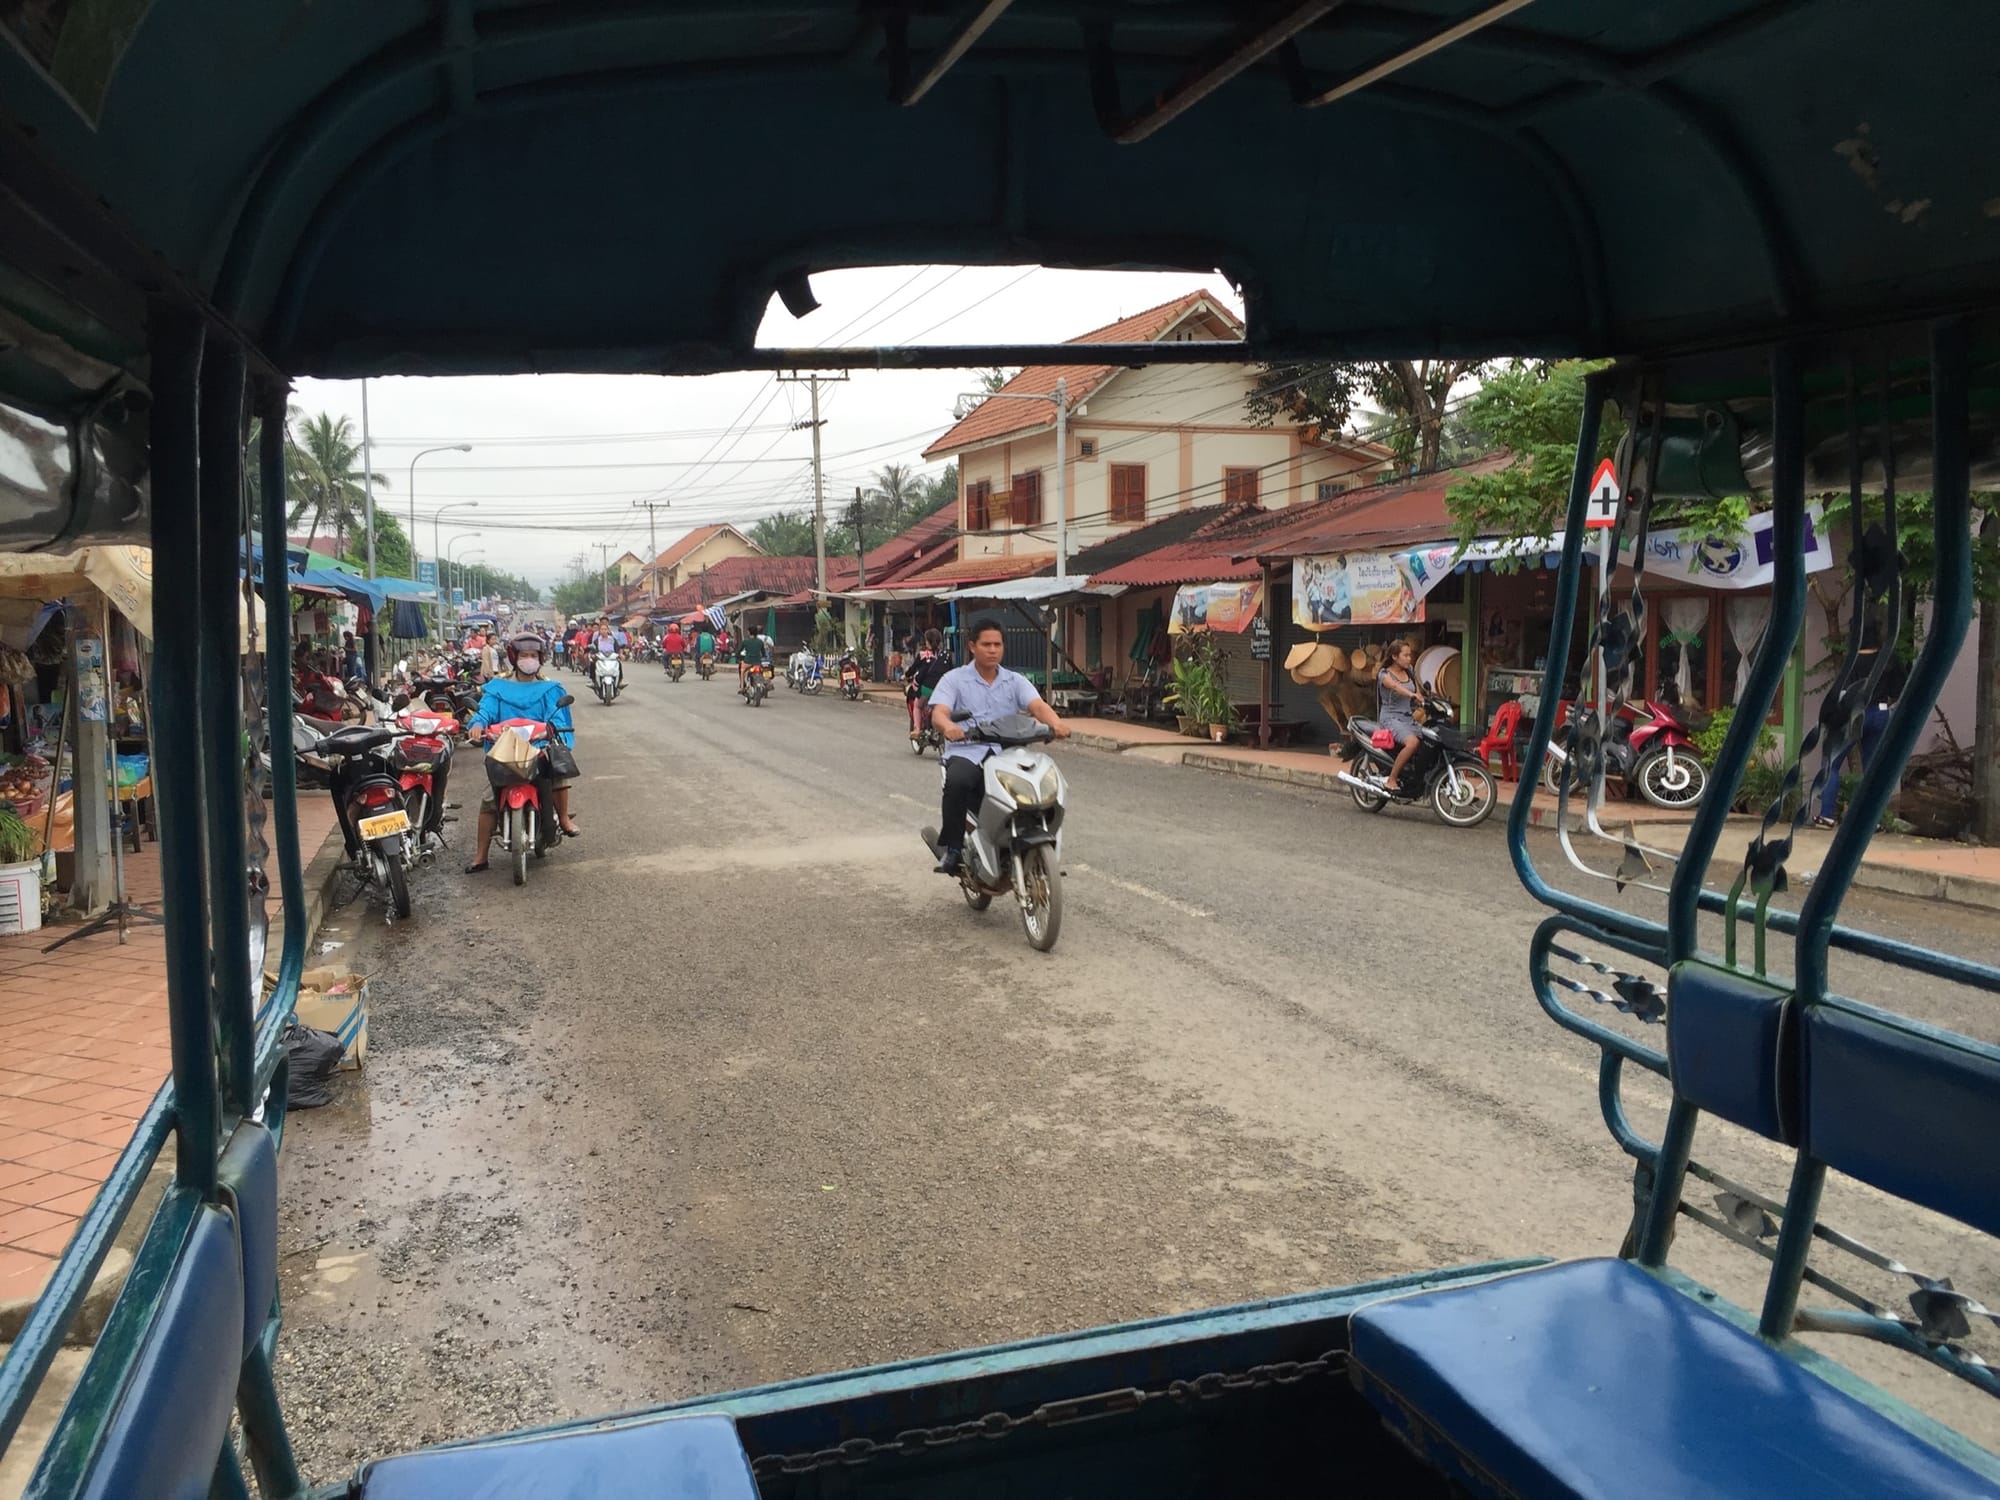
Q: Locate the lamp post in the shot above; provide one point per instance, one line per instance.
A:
(1059, 400)
(446, 448)
(451, 556)
(437, 551)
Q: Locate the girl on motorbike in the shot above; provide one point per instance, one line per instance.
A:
(1396, 698)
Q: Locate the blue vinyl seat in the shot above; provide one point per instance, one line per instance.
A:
(696, 1457)
(1594, 1378)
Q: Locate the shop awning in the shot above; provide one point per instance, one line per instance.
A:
(1037, 590)
(122, 574)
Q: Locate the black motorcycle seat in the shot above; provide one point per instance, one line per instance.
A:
(355, 739)
(1362, 727)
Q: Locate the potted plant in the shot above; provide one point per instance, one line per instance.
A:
(1217, 710)
(1192, 694)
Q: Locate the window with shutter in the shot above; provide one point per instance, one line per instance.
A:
(1128, 494)
(1026, 509)
(1086, 447)
(979, 506)
(1239, 486)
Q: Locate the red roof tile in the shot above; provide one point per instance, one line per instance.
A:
(995, 417)
(979, 570)
(690, 542)
(1208, 556)
(737, 575)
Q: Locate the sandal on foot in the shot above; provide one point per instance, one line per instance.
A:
(574, 831)
(476, 866)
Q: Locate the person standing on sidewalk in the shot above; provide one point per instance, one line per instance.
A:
(1874, 719)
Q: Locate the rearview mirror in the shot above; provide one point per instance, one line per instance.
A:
(565, 700)
(400, 702)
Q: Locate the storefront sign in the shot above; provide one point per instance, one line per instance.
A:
(1228, 607)
(1367, 588)
(92, 705)
(1260, 639)
(1741, 562)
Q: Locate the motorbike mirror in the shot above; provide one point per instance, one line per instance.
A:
(565, 700)
(400, 702)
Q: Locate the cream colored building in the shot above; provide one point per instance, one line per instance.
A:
(701, 548)
(1142, 444)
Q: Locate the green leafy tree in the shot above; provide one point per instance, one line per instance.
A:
(943, 490)
(788, 533)
(1413, 395)
(582, 589)
(392, 547)
(325, 480)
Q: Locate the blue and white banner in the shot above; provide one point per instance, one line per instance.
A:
(1740, 562)
(716, 617)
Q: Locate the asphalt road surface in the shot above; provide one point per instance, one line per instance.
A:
(736, 1090)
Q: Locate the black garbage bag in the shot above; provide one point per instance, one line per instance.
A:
(313, 1057)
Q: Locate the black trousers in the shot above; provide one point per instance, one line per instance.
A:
(964, 787)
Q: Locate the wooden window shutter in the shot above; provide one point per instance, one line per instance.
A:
(978, 506)
(1026, 509)
(1128, 494)
(1239, 486)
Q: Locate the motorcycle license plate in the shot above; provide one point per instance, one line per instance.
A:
(383, 824)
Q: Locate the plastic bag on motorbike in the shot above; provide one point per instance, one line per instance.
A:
(511, 758)
(562, 760)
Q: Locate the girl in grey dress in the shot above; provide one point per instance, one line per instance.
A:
(1396, 698)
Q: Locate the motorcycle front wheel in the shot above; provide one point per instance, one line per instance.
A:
(1474, 801)
(1042, 915)
(517, 842)
(1675, 782)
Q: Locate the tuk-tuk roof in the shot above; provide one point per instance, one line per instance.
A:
(365, 189)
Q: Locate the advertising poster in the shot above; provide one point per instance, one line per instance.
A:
(1228, 607)
(1366, 588)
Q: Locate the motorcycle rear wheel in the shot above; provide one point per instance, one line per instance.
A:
(1041, 917)
(976, 899)
(1368, 802)
(517, 842)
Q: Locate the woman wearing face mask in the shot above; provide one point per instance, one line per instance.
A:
(525, 693)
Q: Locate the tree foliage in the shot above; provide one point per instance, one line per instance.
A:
(1412, 394)
(323, 477)
(787, 533)
(582, 590)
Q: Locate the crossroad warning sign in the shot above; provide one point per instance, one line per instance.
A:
(1602, 510)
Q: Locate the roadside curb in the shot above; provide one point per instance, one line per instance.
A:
(1900, 880)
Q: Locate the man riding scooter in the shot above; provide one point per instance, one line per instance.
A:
(523, 694)
(983, 690)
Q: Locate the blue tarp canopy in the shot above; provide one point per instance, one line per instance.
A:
(407, 588)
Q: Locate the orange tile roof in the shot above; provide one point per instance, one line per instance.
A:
(994, 417)
(689, 543)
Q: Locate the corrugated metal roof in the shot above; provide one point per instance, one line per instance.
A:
(995, 418)
(1413, 510)
(1208, 555)
(979, 570)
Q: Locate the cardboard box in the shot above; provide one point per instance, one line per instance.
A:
(330, 1000)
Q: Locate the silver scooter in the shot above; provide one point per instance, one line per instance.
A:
(1013, 841)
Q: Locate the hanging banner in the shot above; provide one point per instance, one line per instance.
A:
(1227, 607)
(1740, 562)
(1367, 588)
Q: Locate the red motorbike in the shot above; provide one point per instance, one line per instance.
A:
(422, 762)
(1648, 747)
(524, 799)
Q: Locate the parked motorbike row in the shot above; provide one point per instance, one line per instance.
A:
(807, 673)
(385, 759)
(1647, 752)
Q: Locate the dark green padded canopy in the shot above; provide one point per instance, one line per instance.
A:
(456, 186)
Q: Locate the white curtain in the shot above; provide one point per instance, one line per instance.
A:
(1684, 620)
(1747, 617)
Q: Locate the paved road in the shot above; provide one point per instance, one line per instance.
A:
(736, 1090)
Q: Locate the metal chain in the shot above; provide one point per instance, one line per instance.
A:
(1051, 1414)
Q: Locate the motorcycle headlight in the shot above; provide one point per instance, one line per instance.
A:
(1042, 791)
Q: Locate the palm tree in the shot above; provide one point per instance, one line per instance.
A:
(896, 498)
(326, 479)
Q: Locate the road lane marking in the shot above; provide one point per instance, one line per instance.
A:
(618, 776)
(1132, 887)
(899, 797)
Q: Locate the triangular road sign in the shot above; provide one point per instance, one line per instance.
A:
(1604, 496)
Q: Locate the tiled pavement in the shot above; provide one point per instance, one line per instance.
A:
(83, 1049)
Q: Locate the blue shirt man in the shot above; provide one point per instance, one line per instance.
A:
(982, 690)
(522, 694)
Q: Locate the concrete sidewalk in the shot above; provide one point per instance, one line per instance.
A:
(1964, 874)
(83, 1049)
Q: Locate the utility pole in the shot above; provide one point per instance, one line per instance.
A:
(860, 546)
(813, 383)
(604, 568)
(653, 531)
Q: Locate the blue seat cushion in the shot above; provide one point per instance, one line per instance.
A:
(650, 1458)
(165, 1434)
(1593, 1378)
(1731, 1045)
(249, 1170)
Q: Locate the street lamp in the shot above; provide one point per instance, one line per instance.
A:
(451, 555)
(1060, 400)
(437, 550)
(447, 448)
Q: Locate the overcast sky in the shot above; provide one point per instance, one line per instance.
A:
(558, 460)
